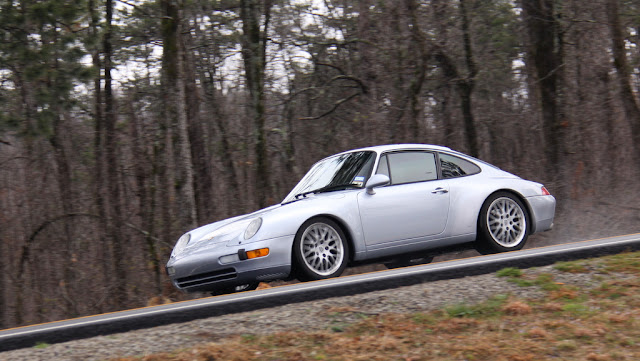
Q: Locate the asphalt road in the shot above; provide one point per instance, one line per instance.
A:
(123, 321)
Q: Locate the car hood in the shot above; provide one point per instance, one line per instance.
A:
(206, 229)
(231, 231)
(219, 233)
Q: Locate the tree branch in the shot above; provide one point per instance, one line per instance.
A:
(24, 256)
(336, 105)
(331, 66)
(361, 85)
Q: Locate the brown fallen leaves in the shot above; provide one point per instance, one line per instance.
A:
(599, 324)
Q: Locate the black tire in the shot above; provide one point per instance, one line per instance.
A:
(320, 250)
(503, 224)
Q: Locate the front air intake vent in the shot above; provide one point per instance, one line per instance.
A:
(205, 278)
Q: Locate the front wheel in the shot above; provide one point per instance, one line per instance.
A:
(503, 224)
(320, 250)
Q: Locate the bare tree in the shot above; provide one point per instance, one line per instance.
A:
(247, 94)
(464, 82)
(256, 16)
(175, 110)
(114, 216)
(544, 50)
(623, 72)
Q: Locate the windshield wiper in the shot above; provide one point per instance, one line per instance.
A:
(329, 188)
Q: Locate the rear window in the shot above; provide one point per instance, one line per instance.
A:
(452, 166)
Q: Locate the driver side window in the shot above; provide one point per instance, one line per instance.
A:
(408, 167)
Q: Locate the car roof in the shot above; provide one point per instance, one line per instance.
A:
(388, 147)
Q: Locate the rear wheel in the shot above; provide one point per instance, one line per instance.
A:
(320, 250)
(503, 224)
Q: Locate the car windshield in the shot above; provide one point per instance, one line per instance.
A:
(350, 170)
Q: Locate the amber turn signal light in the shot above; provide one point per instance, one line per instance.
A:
(257, 253)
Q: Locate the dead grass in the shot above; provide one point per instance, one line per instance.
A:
(568, 324)
(516, 308)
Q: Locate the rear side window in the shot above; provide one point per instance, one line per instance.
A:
(409, 167)
(453, 167)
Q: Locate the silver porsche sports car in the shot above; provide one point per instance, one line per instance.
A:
(389, 203)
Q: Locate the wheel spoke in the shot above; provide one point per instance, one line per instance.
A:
(505, 222)
(322, 249)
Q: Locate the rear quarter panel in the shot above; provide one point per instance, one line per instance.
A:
(469, 193)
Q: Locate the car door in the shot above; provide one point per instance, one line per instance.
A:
(414, 205)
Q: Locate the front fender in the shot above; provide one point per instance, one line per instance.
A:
(287, 219)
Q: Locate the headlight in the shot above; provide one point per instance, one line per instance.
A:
(182, 243)
(253, 228)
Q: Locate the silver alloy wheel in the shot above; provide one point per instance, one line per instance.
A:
(322, 249)
(506, 222)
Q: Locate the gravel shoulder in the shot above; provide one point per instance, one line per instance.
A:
(307, 316)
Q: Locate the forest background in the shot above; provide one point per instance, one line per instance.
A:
(123, 124)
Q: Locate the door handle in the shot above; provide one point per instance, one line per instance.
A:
(440, 190)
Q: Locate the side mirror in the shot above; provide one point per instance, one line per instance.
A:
(377, 180)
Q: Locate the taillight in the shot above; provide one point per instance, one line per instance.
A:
(545, 192)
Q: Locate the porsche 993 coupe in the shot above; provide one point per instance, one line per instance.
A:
(387, 203)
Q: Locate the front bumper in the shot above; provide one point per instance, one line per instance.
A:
(203, 271)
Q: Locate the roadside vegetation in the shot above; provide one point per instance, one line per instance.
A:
(126, 123)
(595, 323)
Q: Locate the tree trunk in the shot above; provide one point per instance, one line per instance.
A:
(545, 64)
(465, 87)
(115, 234)
(98, 146)
(173, 85)
(464, 83)
(231, 176)
(203, 178)
(417, 81)
(254, 42)
(187, 198)
(63, 173)
(623, 73)
(54, 84)
(3, 285)
(145, 194)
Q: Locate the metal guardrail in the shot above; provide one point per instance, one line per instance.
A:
(67, 330)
